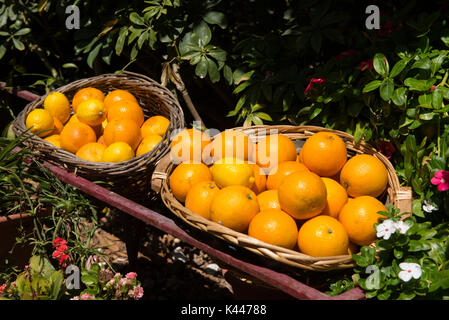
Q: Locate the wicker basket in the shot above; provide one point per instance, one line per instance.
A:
(154, 100)
(401, 197)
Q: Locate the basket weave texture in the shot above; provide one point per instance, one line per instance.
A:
(154, 100)
(400, 197)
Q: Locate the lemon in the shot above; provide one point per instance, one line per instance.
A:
(57, 104)
(232, 171)
(91, 112)
(40, 120)
(54, 140)
(117, 152)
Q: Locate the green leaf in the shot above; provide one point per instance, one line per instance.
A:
(202, 31)
(93, 54)
(121, 40)
(380, 64)
(212, 70)
(227, 73)
(143, 37)
(398, 67)
(386, 89)
(216, 53)
(56, 282)
(399, 97)
(263, 116)
(427, 116)
(425, 101)
(2, 51)
(215, 17)
(373, 85)
(22, 32)
(437, 98)
(18, 44)
(418, 85)
(135, 18)
(201, 68)
(422, 64)
(41, 265)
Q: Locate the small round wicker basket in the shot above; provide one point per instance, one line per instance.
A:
(401, 197)
(123, 177)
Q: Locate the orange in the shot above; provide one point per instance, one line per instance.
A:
(148, 144)
(302, 194)
(91, 112)
(273, 150)
(200, 197)
(260, 179)
(185, 175)
(275, 227)
(278, 173)
(268, 200)
(234, 207)
(122, 130)
(336, 197)
(126, 109)
(232, 144)
(323, 236)
(231, 171)
(118, 95)
(117, 152)
(86, 94)
(299, 157)
(54, 140)
(57, 104)
(58, 125)
(39, 120)
(364, 175)
(324, 153)
(358, 216)
(155, 125)
(73, 118)
(188, 145)
(92, 151)
(101, 140)
(75, 135)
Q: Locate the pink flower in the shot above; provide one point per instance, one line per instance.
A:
(386, 148)
(312, 82)
(136, 293)
(131, 275)
(366, 65)
(87, 296)
(441, 179)
(2, 288)
(342, 55)
(432, 88)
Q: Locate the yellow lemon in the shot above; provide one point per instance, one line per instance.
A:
(91, 112)
(54, 140)
(148, 144)
(232, 171)
(39, 120)
(58, 105)
(118, 152)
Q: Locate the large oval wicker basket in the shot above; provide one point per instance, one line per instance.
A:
(401, 197)
(154, 100)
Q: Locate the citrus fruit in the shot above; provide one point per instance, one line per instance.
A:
(278, 173)
(147, 144)
(275, 227)
(231, 171)
(57, 104)
(155, 125)
(336, 197)
(118, 95)
(358, 216)
(72, 119)
(200, 196)
(54, 140)
(117, 152)
(188, 145)
(92, 151)
(185, 175)
(86, 94)
(363, 175)
(91, 112)
(122, 130)
(101, 140)
(323, 236)
(260, 178)
(234, 207)
(299, 157)
(268, 200)
(75, 135)
(324, 153)
(232, 144)
(126, 109)
(58, 125)
(273, 150)
(40, 120)
(302, 194)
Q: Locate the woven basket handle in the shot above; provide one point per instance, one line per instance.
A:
(404, 199)
(160, 173)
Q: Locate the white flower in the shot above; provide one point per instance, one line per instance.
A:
(402, 227)
(429, 206)
(386, 229)
(409, 270)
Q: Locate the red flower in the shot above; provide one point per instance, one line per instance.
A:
(59, 241)
(386, 148)
(312, 82)
(60, 252)
(342, 55)
(441, 179)
(432, 88)
(366, 65)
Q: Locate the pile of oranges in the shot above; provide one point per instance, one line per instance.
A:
(97, 127)
(317, 202)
